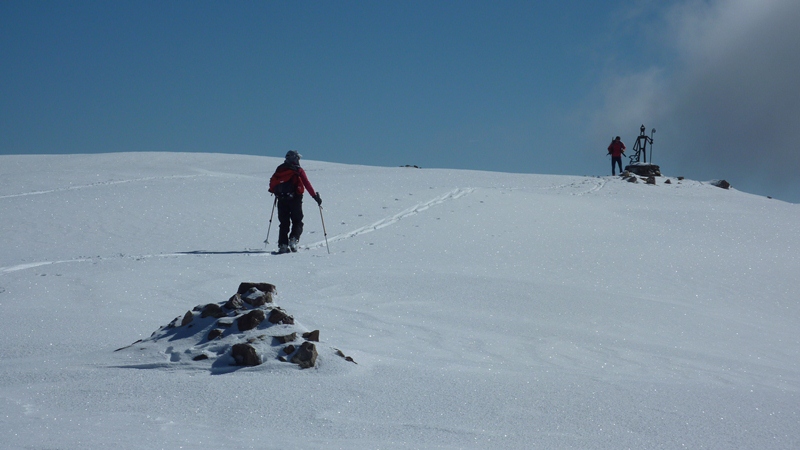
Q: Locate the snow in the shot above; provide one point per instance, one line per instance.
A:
(484, 310)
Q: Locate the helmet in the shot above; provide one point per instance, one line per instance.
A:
(293, 156)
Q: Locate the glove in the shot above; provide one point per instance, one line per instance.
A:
(318, 199)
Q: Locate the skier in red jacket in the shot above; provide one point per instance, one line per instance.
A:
(288, 184)
(616, 149)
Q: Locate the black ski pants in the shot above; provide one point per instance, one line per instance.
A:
(616, 160)
(290, 214)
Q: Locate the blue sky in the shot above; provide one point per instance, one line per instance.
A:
(537, 87)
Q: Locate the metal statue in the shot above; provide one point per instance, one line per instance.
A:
(640, 148)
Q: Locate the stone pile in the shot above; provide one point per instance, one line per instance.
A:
(644, 169)
(248, 329)
(631, 178)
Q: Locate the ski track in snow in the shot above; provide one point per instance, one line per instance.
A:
(416, 209)
(596, 185)
(102, 183)
(45, 263)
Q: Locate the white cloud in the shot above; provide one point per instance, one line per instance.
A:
(729, 104)
(629, 100)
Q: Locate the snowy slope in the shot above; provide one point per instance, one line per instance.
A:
(485, 310)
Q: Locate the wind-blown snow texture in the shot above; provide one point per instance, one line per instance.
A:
(485, 310)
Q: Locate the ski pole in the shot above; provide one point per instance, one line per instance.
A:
(651, 144)
(323, 229)
(266, 241)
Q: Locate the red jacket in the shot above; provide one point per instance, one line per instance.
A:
(287, 171)
(617, 148)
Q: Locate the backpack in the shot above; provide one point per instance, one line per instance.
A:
(284, 182)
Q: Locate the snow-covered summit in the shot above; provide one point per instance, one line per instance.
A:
(484, 309)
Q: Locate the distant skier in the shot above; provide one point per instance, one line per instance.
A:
(288, 184)
(616, 149)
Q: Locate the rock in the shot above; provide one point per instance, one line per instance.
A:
(213, 310)
(346, 358)
(253, 340)
(667, 181)
(256, 298)
(680, 178)
(187, 318)
(306, 356)
(287, 338)
(234, 302)
(263, 287)
(311, 336)
(651, 180)
(245, 355)
(720, 184)
(250, 320)
(225, 322)
(277, 316)
(200, 357)
(215, 333)
(632, 180)
(289, 349)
